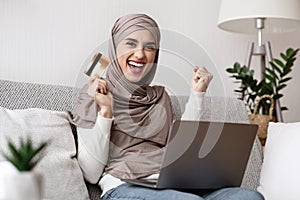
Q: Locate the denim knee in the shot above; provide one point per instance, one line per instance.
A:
(234, 194)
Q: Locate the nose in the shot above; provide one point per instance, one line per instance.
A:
(139, 53)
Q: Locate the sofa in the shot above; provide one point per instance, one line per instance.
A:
(20, 95)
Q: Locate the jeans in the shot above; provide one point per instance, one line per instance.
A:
(128, 191)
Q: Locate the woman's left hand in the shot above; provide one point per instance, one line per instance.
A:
(201, 79)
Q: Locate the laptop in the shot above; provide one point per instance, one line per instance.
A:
(204, 155)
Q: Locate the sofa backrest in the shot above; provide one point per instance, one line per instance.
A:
(221, 109)
(18, 95)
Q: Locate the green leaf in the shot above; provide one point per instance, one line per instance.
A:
(239, 91)
(231, 70)
(285, 80)
(262, 92)
(280, 87)
(277, 96)
(236, 66)
(286, 72)
(289, 52)
(13, 150)
(270, 78)
(283, 108)
(283, 56)
(278, 62)
(266, 88)
(293, 60)
(245, 70)
(296, 51)
(275, 67)
(271, 72)
(288, 64)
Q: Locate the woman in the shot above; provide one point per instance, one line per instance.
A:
(126, 121)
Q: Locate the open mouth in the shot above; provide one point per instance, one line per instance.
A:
(136, 67)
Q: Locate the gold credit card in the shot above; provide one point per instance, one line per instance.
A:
(97, 65)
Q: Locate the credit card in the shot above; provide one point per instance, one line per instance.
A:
(97, 65)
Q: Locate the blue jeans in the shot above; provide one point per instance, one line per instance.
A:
(131, 192)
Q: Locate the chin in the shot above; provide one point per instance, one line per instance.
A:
(133, 80)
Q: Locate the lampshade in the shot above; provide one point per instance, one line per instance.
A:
(239, 15)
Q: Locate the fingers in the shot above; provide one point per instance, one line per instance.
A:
(201, 79)
(202, 72)
(102, 86)
(96, 86)
(92, 79)
(195, 69)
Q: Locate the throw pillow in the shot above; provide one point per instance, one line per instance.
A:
(280, 173)
(62, 176)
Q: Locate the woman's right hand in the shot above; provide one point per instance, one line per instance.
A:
(99, 92)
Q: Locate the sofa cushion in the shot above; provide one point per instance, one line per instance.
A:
(61, 172)
(280, 173)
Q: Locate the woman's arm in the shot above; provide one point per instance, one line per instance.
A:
(93, 144)
(93, 147)
(194, 106)
(200, 81)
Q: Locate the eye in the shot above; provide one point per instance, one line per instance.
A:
(150, 47)
(130, 44)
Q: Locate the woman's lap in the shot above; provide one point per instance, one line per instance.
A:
(132, 192)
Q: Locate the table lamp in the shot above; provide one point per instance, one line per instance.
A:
(256, 16)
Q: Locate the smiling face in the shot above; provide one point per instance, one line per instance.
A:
(136, 55)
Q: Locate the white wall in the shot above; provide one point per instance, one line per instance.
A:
(50, 41)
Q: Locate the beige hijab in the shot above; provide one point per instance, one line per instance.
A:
(142, 113)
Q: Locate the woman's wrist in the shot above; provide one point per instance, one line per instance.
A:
(105, 112)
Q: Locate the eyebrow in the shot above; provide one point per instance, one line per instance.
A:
(131, 39)
(134, 40)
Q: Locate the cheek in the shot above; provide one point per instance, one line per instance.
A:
(151, 57)
(122, 63)
(122, 58)
(150, 61)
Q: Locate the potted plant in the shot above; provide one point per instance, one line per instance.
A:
(28, 183)
(276, 78)
(265, 92)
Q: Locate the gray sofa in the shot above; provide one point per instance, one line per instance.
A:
(17, 95)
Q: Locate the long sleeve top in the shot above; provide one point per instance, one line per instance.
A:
(93, 145)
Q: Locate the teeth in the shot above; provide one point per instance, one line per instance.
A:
(135, 64)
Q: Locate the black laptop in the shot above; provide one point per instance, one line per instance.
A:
(204, 155)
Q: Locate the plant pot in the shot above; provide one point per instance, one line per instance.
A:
(24, 185)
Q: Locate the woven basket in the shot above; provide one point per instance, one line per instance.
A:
(262, 120)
